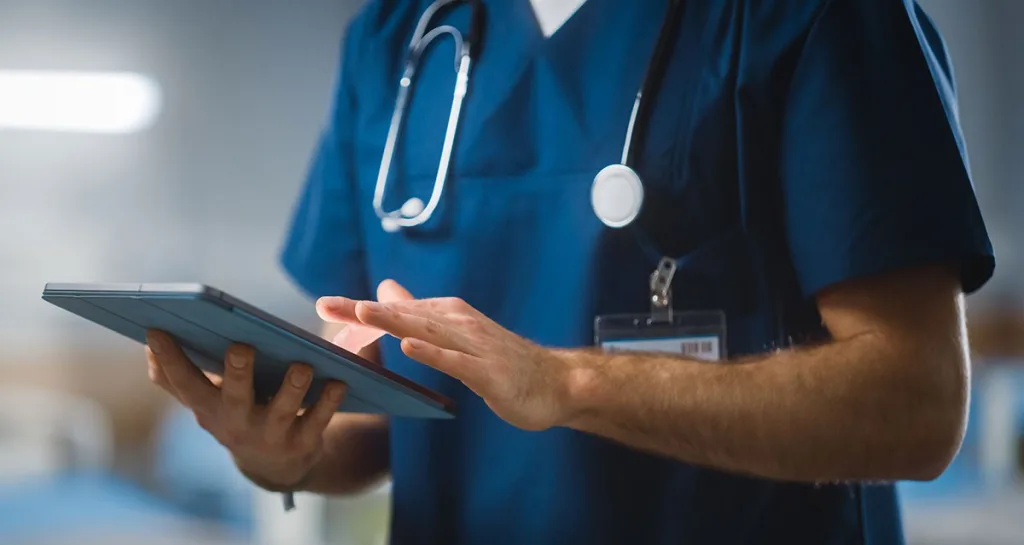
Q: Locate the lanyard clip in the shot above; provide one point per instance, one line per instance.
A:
(661, 290)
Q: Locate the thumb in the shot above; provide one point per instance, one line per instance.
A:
(390, 291)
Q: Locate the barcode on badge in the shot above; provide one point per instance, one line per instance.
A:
(705, 347)
(697, 348)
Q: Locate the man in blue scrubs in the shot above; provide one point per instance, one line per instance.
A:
(803, 162)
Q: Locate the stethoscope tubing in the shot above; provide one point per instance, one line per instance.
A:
(415, 212)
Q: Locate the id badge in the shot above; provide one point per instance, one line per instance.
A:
(698, 334)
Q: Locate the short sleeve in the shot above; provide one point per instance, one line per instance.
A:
(874, 170)
(323, 250)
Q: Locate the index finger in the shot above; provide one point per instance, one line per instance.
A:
(343, 309)
(425, 325)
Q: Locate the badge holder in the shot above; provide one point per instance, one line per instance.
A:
(694, 334)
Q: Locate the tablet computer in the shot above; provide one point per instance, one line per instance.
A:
(205, 321)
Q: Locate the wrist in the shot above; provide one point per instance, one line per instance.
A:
(584, 381)
(297, 485)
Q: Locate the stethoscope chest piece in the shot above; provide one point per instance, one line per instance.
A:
(617, 195)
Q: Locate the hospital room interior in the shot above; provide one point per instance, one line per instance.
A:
(188, 172)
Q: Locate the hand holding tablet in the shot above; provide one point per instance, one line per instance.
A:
(272, 441)
(205, 323)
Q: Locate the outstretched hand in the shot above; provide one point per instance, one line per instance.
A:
(525, 384)
(356, 335)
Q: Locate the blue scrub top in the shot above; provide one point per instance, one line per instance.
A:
(793, 145)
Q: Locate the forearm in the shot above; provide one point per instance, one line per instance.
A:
(355, 455)
(356, 446)
(841, 411)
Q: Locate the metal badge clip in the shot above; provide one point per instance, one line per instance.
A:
(661, 290)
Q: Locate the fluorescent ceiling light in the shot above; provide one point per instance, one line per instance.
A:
(83, 102)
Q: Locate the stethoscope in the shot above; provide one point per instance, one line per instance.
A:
(617, 193)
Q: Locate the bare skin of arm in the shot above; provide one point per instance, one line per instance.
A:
(355, 455)
(884, 399)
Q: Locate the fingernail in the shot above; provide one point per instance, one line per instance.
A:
(238, 361)
(414, 343)
(155, 343)
(334, 394)
(299, 378)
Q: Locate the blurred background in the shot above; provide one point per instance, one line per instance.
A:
(219, 105)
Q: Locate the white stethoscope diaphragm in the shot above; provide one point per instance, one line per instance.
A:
(617, 195)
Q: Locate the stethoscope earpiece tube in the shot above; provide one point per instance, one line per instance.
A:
(617, 192)
(475, 36)
(652, 80)
(414, 211)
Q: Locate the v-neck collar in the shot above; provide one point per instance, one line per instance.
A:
(552, 15)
